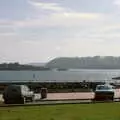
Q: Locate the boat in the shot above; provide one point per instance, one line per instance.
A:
(62, 69)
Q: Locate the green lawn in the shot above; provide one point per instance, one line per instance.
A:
(98, 111)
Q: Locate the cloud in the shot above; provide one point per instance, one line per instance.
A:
(60, 19)
(76, 15)
(7, 28)
(59, 16)
(89, 41)
(47, 6)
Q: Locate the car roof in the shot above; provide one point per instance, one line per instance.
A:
(16, 85)
(104, 87)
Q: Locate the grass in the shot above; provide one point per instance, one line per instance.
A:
(98, 111)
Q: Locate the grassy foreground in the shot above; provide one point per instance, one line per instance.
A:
(99, 111)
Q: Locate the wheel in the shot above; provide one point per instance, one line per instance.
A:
(6, 102)
(112, 98)
(31, 99)
(93, 100)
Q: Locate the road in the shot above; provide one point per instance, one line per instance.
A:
(69, 96)
(73, 96)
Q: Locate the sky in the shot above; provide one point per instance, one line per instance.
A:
(40, 30)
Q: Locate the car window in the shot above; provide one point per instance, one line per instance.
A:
(103, 87)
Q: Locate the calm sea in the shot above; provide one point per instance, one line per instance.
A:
(59, 76)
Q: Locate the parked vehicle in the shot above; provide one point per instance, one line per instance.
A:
(17, 94)
(104, 92)
(43, 93)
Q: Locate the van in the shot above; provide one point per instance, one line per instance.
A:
(17, 94)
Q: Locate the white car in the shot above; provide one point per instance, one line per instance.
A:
(17, 94)
(104, 92)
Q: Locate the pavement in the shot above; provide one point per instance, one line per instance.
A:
(67, 96)
(73, 95)
(70, 96)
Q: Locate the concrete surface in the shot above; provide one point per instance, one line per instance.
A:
(70, 96)
(66, 96)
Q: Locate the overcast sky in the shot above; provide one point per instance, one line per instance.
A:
(40, 30)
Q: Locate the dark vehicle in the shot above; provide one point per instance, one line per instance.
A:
(104, 92)
(43, 93)
(17, 94)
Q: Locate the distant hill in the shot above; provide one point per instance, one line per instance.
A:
(17, 66)
(96, 62)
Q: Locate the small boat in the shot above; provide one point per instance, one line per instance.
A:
(62, 69)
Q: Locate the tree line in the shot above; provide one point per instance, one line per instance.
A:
(17, 66)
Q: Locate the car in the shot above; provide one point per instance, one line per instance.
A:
(17, 94)
(104, 92)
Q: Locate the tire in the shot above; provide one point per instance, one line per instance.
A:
(112, 98)
(31, 99)
(6, 102)
(93, 100)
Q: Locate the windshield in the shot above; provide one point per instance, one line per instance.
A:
(104, 88)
